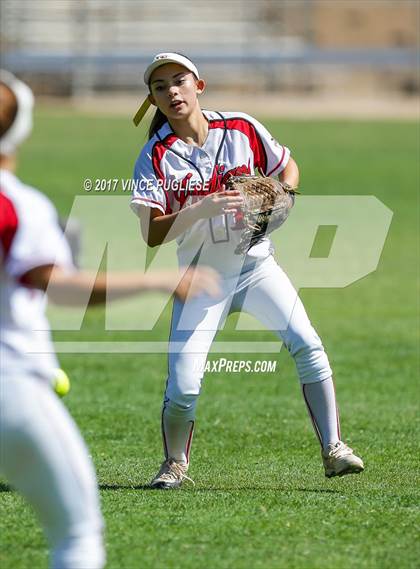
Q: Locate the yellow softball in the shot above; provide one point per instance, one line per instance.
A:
(61, 382)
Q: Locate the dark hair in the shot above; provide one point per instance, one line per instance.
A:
(158, 121)
(8, 108)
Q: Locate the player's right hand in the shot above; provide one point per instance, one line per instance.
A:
(219, 203)
(198, 280)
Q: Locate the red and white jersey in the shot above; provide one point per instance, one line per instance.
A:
(30, 236)
(170, 174)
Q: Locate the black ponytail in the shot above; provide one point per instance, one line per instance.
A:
(158, 121)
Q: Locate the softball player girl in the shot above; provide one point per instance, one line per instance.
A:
(179, 194)
(42, 452)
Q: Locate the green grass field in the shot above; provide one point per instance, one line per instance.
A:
(260, 500)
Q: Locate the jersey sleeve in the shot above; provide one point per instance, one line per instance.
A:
(38, 240)
(148, 186)
(271, 157)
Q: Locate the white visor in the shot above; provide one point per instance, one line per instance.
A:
(21, 127)
(164, 58)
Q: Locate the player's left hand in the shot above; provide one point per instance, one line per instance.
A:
(220, 202)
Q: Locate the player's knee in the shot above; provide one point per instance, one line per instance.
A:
(311, 360)
(313, 366)
(183, 388)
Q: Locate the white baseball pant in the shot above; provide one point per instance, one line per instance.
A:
(263, 291)
(43, 455)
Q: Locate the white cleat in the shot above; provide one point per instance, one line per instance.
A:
(171, 475)
(339, 460)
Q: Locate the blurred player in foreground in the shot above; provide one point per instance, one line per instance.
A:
(200, 150)
(42, 452)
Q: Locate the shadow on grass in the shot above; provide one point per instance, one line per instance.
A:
(318, 490)
(108, 487)
(286, 490)
(6, 488)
